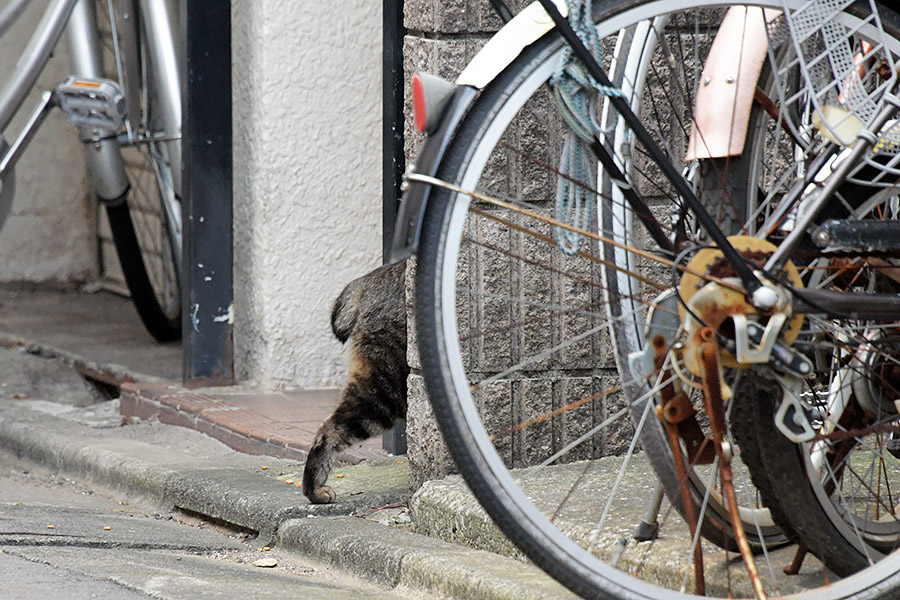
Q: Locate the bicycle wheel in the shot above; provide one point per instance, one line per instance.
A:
(529, 355)
(847, 483)
(844, 483)
(146, 230)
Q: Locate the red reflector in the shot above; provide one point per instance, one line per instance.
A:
(418, 102)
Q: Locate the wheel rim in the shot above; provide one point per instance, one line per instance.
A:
(461, 381)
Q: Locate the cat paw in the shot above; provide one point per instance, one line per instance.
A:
(322, 495)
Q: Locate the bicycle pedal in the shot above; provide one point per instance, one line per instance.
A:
(867, 235)
(95, 103)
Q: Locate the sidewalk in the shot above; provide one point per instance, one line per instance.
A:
(235, 455)
(100, 337)
(161, 448)
(276, 423)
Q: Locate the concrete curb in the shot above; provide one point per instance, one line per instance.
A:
(447, 510)
(102, 371)
(38, 437)
(398, 557)
(278, 512)
(259, 503)
(233, 494)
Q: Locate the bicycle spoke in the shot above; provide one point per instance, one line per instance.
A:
(622, 469)
(568, 360)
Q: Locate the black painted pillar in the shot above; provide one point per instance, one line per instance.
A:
(208, 310)
(393, 440)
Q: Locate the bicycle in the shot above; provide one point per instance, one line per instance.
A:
(124, 96)
(736, 289)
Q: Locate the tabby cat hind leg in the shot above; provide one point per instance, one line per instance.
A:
(371, 311)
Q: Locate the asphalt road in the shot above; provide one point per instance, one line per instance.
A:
(62, 538)
(29, 580)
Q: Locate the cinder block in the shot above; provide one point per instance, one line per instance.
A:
(418, 15)
(428, 457)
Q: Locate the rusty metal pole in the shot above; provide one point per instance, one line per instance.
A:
(667, 395)
(715, 410)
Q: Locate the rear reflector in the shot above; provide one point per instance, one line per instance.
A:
(430, 96)
(419, 107)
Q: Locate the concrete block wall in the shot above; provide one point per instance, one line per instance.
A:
(443, 36)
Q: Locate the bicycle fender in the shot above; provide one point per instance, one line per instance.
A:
(408, 225)
(524, 29)
(529, 25)
(728, 84)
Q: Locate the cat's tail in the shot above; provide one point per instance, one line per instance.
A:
(345, 312)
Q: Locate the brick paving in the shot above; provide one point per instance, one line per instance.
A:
(100, 335)
(278, 423)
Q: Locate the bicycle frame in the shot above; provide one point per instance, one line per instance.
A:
(77, 18)
(842, 304)
(35, 55)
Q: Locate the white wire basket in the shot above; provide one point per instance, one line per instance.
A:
(847, 66)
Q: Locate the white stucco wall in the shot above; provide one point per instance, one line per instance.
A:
(49, 235)
(307, 167)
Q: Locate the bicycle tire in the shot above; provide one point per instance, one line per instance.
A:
(141, 226)
(844, 542)
(163, 327)
(447, 383)
(815, 527)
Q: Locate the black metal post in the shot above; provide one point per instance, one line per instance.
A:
(394, 162)
(393, 159)
(208, 348)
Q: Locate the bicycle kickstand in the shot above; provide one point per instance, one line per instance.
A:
(711, 372)
(648, 528)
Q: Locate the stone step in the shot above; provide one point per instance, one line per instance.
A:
(446, 509)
